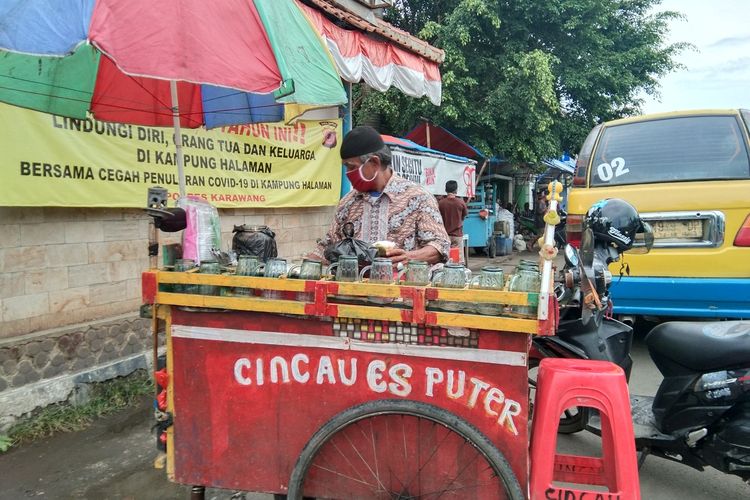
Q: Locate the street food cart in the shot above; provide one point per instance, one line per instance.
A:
(345, 389)
(479, 224)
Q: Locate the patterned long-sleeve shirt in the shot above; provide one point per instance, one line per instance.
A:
(405, 213)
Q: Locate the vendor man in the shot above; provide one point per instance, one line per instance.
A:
(385, 206)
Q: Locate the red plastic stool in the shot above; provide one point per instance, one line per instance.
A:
(561, 384)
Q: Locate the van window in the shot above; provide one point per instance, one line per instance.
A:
(694, 148)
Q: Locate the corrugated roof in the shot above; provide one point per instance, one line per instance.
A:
(382, 28)
(443, 139)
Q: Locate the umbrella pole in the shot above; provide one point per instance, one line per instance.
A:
(177, 137)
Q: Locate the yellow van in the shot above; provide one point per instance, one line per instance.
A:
(688, 174)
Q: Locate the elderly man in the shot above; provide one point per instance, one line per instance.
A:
(385, 206)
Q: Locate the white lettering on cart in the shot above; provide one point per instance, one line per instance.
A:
(348, 381)
(491, 397)
(296, 373)
(381, 377)
(494, 395)
(279, 364)
(510, 410)
(398, 376)
(325, 369)
(479, 386)
(400, 373)
(259, 371)
(452, 393)
(434, 376)
(240, 366)
(375, 376)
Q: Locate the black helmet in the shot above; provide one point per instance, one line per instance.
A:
(615, 221)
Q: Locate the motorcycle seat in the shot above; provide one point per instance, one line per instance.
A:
(702, 346)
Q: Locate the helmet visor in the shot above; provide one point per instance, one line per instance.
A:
(644, 239)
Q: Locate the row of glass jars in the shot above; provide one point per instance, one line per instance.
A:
(526, 278)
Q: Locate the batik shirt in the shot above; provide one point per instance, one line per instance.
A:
(404, 213)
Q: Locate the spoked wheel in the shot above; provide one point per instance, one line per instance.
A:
(397, 449)
(572, 419)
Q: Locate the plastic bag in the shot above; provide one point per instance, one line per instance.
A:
(350, 246)
(258, 241)
(203, 230)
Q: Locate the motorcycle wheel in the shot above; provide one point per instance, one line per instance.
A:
(572, 419)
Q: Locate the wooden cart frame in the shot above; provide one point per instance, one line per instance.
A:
(306, 392)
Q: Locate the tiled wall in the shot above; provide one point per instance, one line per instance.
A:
(66, 266)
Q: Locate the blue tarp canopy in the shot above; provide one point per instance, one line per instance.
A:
(411, 145)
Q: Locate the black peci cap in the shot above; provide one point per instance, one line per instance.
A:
(360, 141)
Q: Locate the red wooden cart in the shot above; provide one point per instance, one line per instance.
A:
(310, 393)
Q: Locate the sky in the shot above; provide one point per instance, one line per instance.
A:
(717, 73)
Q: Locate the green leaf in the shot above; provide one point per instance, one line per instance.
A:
(5, 443)
(527, 80)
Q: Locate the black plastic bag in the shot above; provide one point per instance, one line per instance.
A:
(351, 246)
(254, 240)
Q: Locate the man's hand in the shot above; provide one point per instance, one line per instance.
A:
(427, 253)
(316, 257)
(397, 255)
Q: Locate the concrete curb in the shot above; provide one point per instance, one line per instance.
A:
(16, 403)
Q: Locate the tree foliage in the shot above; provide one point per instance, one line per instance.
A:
(527, 79)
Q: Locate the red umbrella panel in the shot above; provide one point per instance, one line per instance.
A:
(185, 63)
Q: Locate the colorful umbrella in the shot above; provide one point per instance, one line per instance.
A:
(185, 63)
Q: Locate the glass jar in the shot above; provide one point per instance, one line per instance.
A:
(181, 266)
(308, 270)
(247, 265)
(417, 273)
(452, 276)
(347, 268)
(489, 278)
(525, 281)
(274, 268)
(209, 267)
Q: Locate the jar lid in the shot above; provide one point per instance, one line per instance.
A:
(492, 269)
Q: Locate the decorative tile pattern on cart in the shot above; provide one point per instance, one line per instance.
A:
(404, 333)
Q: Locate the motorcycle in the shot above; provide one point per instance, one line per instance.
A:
(560, 237)
(700, 415)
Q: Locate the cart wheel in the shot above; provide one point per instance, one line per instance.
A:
(492, 248)
(401, 449)
(571, 421)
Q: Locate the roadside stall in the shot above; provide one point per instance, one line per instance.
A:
(480, 229)
(479, 225)
(312, 381)
(432, 168)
